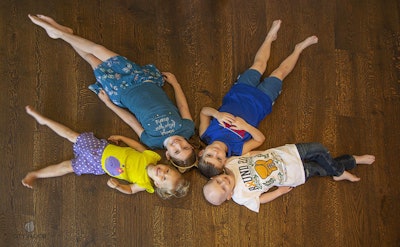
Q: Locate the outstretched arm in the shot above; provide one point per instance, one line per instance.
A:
(257, 136)
(125, 115)
(128, 141)
(124, 188)
(269, 196)
(180, 97)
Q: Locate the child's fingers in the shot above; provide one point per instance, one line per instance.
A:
(112, 183)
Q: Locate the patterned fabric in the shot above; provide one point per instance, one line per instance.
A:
(118, 74)
(139, 89)
(256, 174)
(88, 151)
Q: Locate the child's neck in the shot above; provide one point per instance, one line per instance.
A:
(222, 145)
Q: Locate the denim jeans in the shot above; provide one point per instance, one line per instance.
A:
(317, 160)
(271, 86)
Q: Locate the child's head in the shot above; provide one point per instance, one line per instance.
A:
(212, 160)
(180, 153)
(219, 189)
(168, 181)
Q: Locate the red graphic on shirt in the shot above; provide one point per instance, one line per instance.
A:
(240, 133)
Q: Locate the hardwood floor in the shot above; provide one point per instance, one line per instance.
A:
(344, 92)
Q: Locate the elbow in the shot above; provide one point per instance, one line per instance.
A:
(260, 139)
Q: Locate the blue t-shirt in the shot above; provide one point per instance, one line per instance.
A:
(156, 113)
(244, 101)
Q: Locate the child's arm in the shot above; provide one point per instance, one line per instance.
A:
(208, 112)
(180, 98)
(125, 115)
(255, 152)
(128, 141)
(257, 136)
(269, 196)
(124, 188)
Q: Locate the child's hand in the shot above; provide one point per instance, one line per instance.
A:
(284, 189)
(170, 78)
(225, 117)
(104, 96)
(112, 183)
(239, 124)
(115, 138)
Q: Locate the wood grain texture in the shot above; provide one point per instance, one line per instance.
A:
(343, 92)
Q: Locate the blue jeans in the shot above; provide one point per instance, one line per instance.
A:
(317, 161)
(271, 86)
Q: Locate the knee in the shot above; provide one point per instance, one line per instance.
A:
(319, 147)
(279, 73)
(260, 66)
(66, 166)
(98, 49)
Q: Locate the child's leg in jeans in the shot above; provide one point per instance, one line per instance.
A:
(57, 170)
(263, 53)
(60, 129)
(93, 53)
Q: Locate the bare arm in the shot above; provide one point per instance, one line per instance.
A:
(208, 112)
(205, 118)
(180, 97)
(124, 188)
(125, 115)
(270, 196)
(257, 136)
(255, 152)
(128, 141)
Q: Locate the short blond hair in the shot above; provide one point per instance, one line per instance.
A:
(180, 189)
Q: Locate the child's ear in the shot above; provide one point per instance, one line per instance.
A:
(167, 155)
(201, 153)
(156, 184)
(229, 196)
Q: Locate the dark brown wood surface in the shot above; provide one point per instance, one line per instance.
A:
(344, 92)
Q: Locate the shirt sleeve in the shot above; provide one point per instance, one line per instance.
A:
(253, 204)
(187, 129)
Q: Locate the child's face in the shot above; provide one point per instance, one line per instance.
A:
(219, 189)
(214, 155)
(163, 175)
(178, 147)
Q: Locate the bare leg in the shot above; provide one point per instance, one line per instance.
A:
(90, 58)
(347, 176)
(57, 170)
(60, 129)
(363, 159)
(81, 45)
(288, 64)
(263, 53)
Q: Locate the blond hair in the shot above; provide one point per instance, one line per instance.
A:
(180, 189)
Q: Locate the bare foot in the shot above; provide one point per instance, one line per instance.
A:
(364, 159)
(36, 115)
(306, 43)
(52, 22)
(273, 31)
(29, 179)
(347, 176)
(52, 31)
